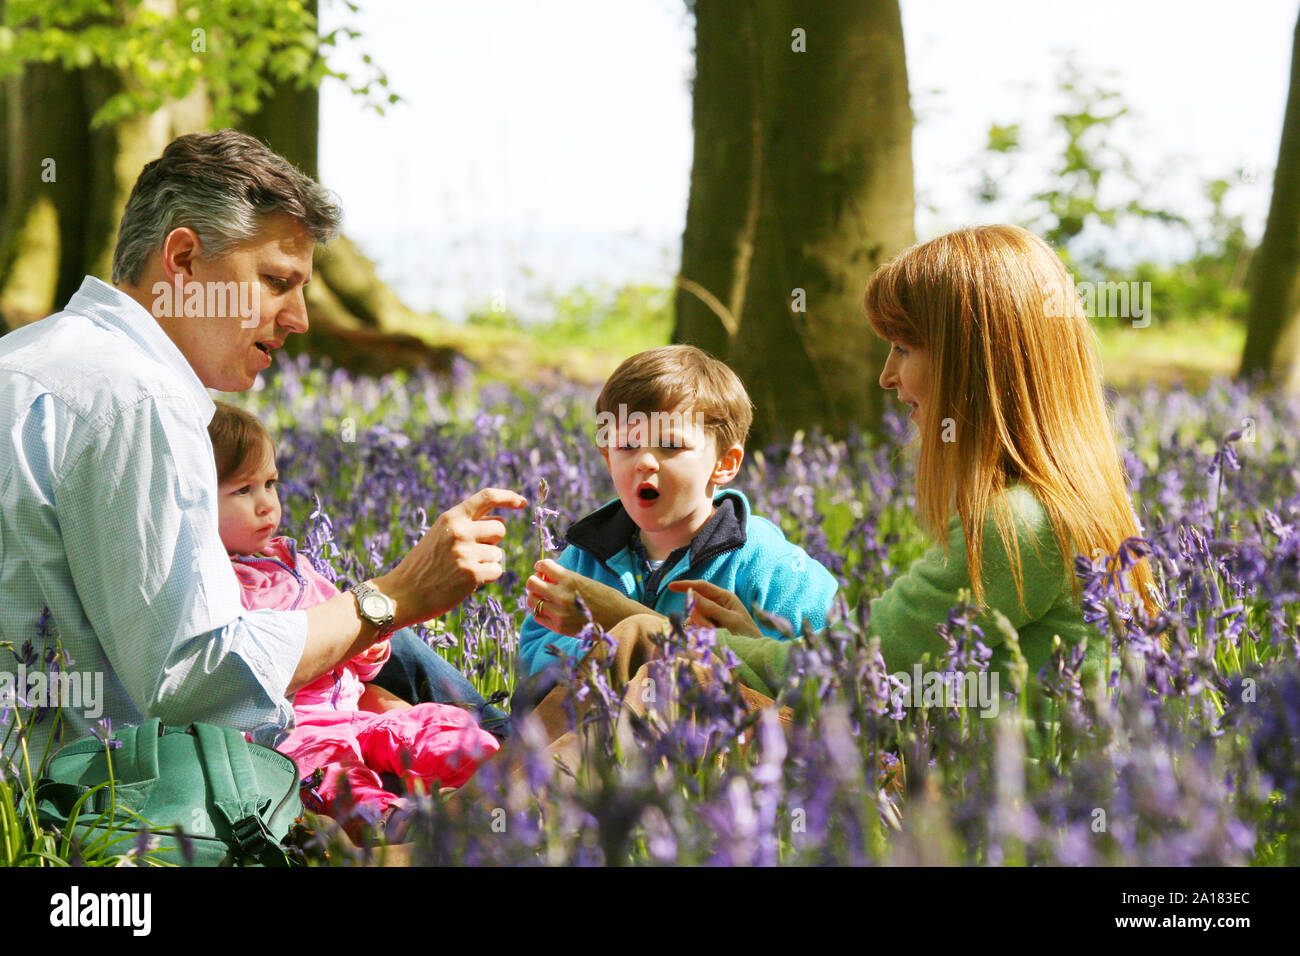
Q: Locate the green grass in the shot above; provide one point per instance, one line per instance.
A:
(589, 332)
(592, 330)
(1188, 350)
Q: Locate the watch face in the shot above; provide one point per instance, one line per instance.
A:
(375, 606)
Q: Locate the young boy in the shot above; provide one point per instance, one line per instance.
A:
(672, 428)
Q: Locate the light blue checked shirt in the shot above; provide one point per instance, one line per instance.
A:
(108, 517)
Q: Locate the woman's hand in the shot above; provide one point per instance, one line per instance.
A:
(718, 607)
(551, 598)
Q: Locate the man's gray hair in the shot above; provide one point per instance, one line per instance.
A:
(222, 185)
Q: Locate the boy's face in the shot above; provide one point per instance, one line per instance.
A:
(665, 467)
(248, 507)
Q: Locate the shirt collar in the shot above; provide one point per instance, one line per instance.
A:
(607, 531)
(114, 308)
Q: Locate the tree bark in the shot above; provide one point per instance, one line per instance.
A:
(801, 186)
(66, 184)
(355, 316)
(46, 182)
(288, 120)
(1273, 315)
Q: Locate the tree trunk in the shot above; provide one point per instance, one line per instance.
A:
(1273, 316)
(66, 184)
(801, 187)
(288, 120)
(46, 181)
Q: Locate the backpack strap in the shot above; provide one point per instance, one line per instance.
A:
(235, 792)
(135, 772)
(136, 760)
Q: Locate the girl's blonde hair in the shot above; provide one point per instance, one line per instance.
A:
(1015, 387)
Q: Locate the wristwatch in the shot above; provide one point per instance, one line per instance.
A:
(374, 606)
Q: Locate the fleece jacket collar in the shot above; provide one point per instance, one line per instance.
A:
(606, 532)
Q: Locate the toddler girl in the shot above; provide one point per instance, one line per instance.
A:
(437, 744)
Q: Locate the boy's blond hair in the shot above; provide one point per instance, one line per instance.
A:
(662, 379)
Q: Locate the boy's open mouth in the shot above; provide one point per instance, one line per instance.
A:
(647, 493)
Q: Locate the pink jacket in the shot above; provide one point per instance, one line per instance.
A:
(286, 581)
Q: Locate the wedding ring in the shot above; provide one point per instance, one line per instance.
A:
(538, 610)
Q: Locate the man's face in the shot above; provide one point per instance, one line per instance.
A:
(229, 349)
(248, 506)
(665, 470)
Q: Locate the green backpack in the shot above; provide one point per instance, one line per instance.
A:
(235, 802)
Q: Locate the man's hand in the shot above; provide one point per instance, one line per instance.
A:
(458, 555)
(554, 588)
(718, 607)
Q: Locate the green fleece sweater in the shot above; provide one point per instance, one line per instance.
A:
(905, 616)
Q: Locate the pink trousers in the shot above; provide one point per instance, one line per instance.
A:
(436, 744)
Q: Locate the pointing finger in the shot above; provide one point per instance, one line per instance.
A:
(485, 500)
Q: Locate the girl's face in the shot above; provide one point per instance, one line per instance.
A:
(248, 507)
(908, 371)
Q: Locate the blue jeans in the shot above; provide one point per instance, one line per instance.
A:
(418, 674)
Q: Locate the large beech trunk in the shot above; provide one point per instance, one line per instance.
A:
(801, 186)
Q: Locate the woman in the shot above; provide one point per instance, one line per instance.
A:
(1018, 470)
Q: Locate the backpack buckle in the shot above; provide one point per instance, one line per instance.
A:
(251, 835)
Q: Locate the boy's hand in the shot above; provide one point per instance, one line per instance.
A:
(551, 592)
(718, 607)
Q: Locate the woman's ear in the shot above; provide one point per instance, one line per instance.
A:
(728, 464)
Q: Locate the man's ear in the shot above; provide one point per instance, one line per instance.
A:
(180, 250)
(728, 464)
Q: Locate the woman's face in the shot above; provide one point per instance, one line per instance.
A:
(907, 370)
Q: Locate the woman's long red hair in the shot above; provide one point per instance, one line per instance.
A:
(1015, 384)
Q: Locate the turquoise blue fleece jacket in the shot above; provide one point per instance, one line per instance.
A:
(735, 549)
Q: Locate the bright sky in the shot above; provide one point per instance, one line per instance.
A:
(547, 144)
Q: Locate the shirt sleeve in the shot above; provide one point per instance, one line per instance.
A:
(793, 585)
(764, 661)
(906, 617)
(137, 511)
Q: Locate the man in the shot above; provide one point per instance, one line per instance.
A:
(108, 511)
